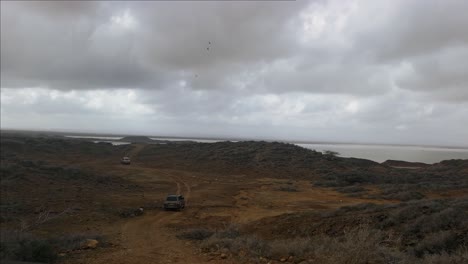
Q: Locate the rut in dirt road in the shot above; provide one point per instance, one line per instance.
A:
(146, 239)
(133, 154)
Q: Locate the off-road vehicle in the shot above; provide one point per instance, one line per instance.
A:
(175, 202)
(125, 161)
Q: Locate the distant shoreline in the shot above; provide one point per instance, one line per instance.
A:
(98, 135)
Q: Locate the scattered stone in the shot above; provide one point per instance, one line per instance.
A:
(131, 212)
(283, 259)
(90, 244)
(242, 253)
(223, 256)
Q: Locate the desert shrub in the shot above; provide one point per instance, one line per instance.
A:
(73, 241)
(327, 183)
(404, 196)
(361, 245)
(255, 246)
(231, 231)
(214, 243)
(343, 179)
(287, 188)
(442, 176)
(446, 219)
(231, 239)
(299, 247)
(424, 227)
(10, 240)
(402, 192)
(364, 244)
(196, 234)
(23, 246)
(11, 209)
(458, 257)
(405, 213)
(351, 189)
(437, 243)
(355, 208)
(35, 250)
(130, 212)
(417, 219)
(331, 153)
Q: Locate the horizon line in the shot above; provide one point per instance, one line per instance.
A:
(227, 138)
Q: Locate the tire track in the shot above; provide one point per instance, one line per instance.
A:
(146, 239)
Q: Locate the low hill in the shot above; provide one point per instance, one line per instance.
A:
(136, 139)
(274, 159)
(404, 164)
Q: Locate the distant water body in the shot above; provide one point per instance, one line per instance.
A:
(381, 153)
(378, 153)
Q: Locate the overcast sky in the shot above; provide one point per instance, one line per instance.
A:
(347, 71)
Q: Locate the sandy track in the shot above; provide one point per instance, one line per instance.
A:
(146, 239)
(133, 154)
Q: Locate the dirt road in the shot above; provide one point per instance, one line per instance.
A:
(147, 239)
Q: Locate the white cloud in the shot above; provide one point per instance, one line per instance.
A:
(124, 20)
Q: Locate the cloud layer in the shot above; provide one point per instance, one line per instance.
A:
(368, 71)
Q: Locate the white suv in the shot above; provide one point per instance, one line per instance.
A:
(125, 161)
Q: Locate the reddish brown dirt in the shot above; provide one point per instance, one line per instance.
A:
(212, 200)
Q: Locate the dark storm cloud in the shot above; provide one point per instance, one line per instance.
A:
(68, 46)
(444, 74)
(239, 32)
(415, 28)
(60, 9)
(138, 45)
(369, 68)
(227, 45)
